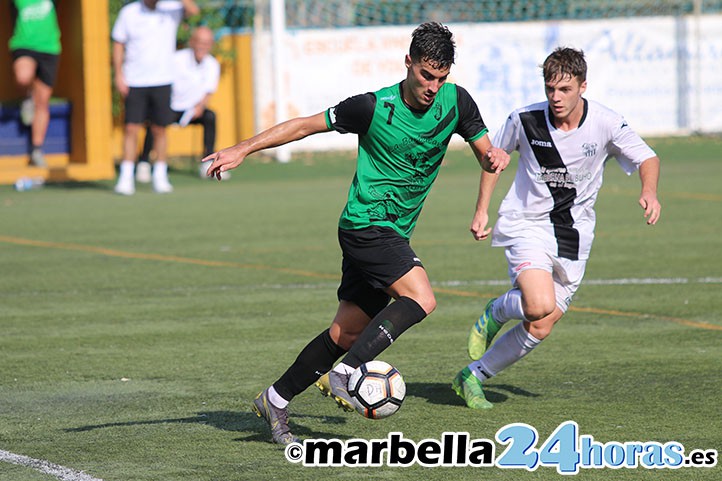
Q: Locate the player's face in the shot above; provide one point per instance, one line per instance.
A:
(422, 83)
(565, 97)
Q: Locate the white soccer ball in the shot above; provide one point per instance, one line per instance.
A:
(377, 389)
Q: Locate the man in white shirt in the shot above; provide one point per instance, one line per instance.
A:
(196, 76)
(546, 221)
(144, 41)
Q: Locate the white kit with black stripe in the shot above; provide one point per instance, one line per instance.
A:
(560, 174)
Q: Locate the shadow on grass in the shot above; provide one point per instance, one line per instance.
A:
(233, 421)
(78, 185)
(441, 393)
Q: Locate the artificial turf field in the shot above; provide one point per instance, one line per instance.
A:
(136, 331)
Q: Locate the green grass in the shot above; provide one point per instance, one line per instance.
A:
(135, 331)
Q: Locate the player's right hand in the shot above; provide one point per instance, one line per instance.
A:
(223, 160)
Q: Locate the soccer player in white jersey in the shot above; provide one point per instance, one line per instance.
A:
(546, 221)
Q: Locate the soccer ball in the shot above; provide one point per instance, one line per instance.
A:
(377, 389)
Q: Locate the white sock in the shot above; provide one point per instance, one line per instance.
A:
(127, 168)
(160, 169)
(344, 368)
(508, 306)
(508, 349)
(276, 398)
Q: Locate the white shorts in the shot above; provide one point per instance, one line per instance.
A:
(566, 274)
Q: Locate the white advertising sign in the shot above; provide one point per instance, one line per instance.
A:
(645, 68)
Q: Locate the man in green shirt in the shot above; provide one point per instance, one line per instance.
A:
(403, 133)
(35, 49)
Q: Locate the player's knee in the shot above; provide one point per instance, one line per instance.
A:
(344, 337)
(41, 102)
(427, 303)
(533, 311)
(24, 79)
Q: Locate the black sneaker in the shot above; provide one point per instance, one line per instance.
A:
(276, 418)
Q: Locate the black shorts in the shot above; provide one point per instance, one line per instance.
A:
(149, 103)
(373, 259)
(47, 64)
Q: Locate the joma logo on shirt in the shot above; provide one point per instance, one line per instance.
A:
(541, 143)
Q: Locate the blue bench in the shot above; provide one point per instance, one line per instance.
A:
(15, 137)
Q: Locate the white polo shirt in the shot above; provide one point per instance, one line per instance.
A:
(193, 80)
(149, 37)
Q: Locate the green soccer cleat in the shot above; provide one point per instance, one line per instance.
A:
(468, 387)
(276, 418)
(482, 332)
(335, 384)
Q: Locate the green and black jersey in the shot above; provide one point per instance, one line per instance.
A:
(400, 151)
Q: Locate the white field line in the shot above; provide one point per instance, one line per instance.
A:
(60, 472)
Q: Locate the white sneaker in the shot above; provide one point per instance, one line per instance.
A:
(161, 185)
(125, 186)
(37, 158)
(142, 173)
(27, 111)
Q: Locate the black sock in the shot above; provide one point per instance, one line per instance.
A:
(383, 330)
(315, 360)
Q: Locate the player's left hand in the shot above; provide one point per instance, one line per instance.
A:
(495, 160)
(479, 228)
(652, 207)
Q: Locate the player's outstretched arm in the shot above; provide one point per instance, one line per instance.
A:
(649, 175)
(280, 134)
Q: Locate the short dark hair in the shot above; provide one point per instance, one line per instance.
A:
(433, 42)
(565, 62)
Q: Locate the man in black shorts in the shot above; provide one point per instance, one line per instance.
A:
(35, 48)
(144, 41)
(403, 133)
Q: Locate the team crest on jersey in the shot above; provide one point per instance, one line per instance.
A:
(437, 111)
(590, 149)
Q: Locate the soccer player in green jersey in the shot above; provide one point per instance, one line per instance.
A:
(35, 48)
(403, 133)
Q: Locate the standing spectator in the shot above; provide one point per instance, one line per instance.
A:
(196, 78)
(35, 48)
(144, 42)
